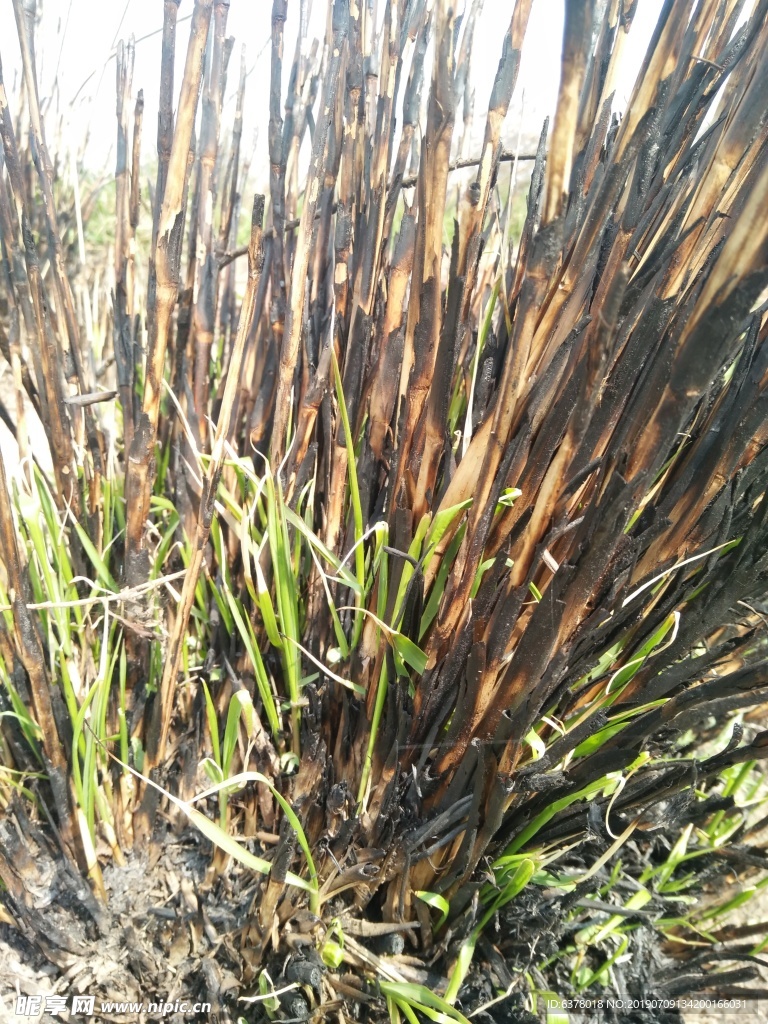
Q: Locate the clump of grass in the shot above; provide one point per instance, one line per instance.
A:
(471, 544)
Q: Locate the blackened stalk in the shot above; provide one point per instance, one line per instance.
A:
(230, 195)
(138, 123)
(68, 327)
(47, 353)
(366, 269)
(207, 269)
(277, 172)
(123, 301)
(290, 349)
(165, 109)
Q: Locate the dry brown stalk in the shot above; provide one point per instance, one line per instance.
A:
(457, 327)
(423, 330)
(140, 467)
(576, 41)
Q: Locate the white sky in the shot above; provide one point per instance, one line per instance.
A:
(76, 38)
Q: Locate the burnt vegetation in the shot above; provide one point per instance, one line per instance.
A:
(433, 556)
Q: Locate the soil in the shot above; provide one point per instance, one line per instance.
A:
(169, 933)
(175, 931)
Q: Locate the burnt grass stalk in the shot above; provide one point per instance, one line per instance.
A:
(389, 612)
